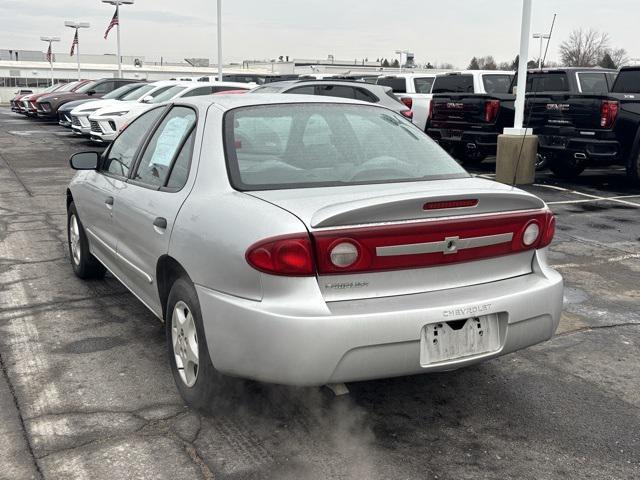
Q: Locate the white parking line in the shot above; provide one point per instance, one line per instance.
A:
(592, 198)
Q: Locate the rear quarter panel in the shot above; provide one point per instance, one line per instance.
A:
(217, 224)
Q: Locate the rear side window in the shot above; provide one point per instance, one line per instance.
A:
(593, 82)
(365, 96)
(397, 84)
(628, 81)
(423, 85)
(497, 83)
(336, 91)
(197, 92)
(453, 84)
(547, 82)
(164, 146)
(306, 90)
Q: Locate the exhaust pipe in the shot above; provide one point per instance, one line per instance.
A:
(579, 156)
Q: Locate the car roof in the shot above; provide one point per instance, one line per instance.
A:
(411, 75)
(229, 102)
(350, 83)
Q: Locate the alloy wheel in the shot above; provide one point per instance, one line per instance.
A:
(184, 339)
(74, 240)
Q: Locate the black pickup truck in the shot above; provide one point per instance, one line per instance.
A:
(468, 124)
(578, 130)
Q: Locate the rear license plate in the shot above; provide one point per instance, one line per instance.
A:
(452, 134)
(446, 341)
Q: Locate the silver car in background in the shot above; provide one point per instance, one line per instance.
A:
(310, 240)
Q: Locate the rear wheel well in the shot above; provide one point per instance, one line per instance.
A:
(168, 270)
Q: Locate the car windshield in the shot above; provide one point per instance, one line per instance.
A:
(321, 144)
(168, 94)
(87, 88)
(138, 93)
(120, 92)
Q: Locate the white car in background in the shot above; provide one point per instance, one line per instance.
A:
(414, 90)
(106, 123)
(80, 115)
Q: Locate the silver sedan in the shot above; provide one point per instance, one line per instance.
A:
(308, 240)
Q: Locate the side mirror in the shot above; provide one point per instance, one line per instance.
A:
(147, 99)
(91, 92)
(84, 160)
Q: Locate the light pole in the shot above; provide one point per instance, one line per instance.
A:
(117, 3)
(219, 22)
(77, 26)
(50, 40)
(542, 37)
(399, 53)
(525, 33)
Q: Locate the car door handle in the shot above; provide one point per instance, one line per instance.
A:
(109, 202)
(160, 223)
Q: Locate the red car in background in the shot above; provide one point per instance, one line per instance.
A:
(19, 94)
(28, 106)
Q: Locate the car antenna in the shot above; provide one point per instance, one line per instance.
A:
(535, 93)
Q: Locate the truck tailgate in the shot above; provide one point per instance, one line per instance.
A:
(563, 110)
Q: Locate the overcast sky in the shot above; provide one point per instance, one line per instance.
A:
(437, 31)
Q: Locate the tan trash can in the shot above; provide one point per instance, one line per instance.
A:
(516, 159)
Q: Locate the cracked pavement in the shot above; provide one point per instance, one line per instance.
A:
(86, 391)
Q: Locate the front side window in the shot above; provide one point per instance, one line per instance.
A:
(123, 149)
(155, 165)
(103, 87)
(336, 91)
(313, 145)
(423, 85)
(306, 90)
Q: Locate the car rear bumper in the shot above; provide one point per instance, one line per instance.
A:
(483, 142)
(369, 339)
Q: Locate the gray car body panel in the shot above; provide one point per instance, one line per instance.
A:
(290, 329)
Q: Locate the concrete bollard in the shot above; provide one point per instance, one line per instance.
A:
(509, 169)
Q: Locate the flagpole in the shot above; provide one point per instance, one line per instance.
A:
(119, 55)
(77, 26)
(50, 40)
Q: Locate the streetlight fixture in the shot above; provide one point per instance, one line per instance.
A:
(117, 3)
(399, 53)
(219, 25)
(50, 40)
(77, 26)
(542, 37)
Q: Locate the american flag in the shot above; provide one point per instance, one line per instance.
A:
(114, 22)
(49, 54)
(75, 42)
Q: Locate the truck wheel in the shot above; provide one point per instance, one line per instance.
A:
(200, 384)
(567, 167)
(84, 264)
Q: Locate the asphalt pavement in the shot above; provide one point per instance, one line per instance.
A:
(86, 391)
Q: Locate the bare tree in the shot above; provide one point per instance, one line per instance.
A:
(619, 57)
(584, 48)
(487, 63)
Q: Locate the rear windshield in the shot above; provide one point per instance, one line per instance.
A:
(423, 84)
(497, 83)
(628, 81)
(318, 144)
(453, 84)
(547, 82)
(397, 84)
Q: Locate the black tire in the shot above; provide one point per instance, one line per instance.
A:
(566, 167)
(472, 159)
(211, 391)
(84, 264)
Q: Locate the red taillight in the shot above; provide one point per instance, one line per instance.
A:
(290, 255)
(434, 242)
(471, 202)
(491, 108)
(549, 231)
(430, 114)
(608, 113)
(407, 113)
(408, 101)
